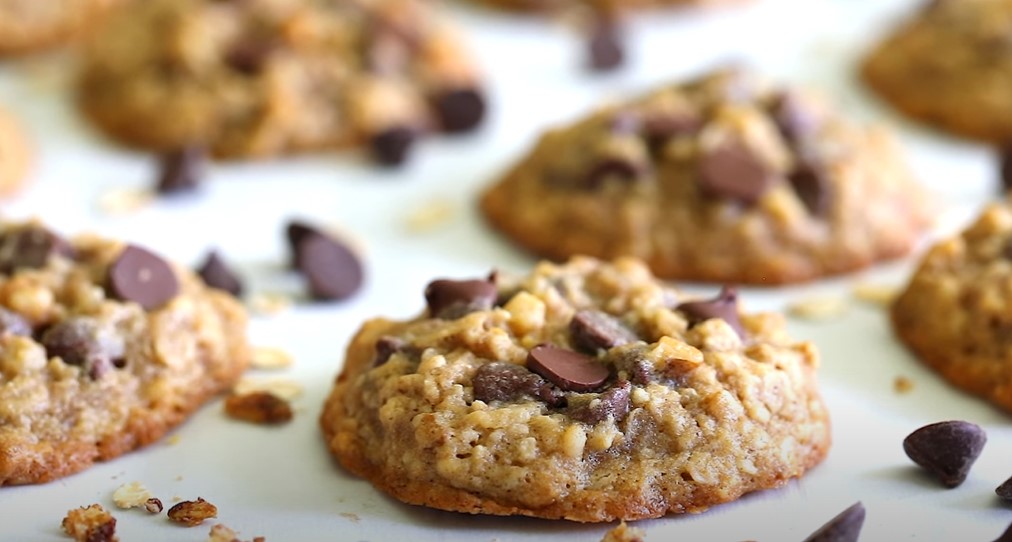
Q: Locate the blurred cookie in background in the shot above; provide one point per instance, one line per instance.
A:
(15, 154)
(27, 26)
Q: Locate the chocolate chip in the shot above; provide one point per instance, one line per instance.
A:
(143, 277)
(793, 117)
(295, 232)
(1005, 536)
(1005, 167)
(946, 449)
(724, 306)
(659, 128)
(605, 47)
(387, 346)
(30, 247)
(249, 56)
(332, 270)
(391, 146)
(182, 170)
(1005, 490)
(612, 168)
(593, 329)
(567, 369)
(612, 403)
(503, 381)
(845, 527)
(12, 323)
(84, 342)
(812, 187)
(459, 110)
(732, 171)
(217, 274)
(450, 299)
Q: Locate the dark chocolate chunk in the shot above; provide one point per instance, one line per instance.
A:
(612, 403)
(1005, 167)
(605, 46)
(614, 167)
(569, 370)
(946, 449)
(845, 527)
(1005, 536)
(660, 128)
(451, 299)
(1005, 490)
(460, 110)
(593, 329)
(392, 146)
(724, 306)
(217, 274)
(793, 117)
(734, 172)
(503, 381)
(30, 248)
(82, 341)
(12, 323)
(182, 170)
(387, 346)
(143, 277)
(332, 270)
(812, 186)
(296, 231)
(249, 56)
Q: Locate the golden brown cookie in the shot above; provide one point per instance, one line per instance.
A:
(268, 77)
(15, 154)
(104, 347)
(950, 66)
(954, 312)
(588, 391)
(724, 178)
(556, 5)
(30, 25)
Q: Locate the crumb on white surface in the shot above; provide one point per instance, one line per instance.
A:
(269, 357)
(131, 495)
(430, 215)
(903, 384)
(876, 294)
(284, 388)
(268, 303)
(120, 201)
(818, 308)
(90, 524)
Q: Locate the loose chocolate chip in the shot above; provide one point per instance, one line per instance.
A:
(84, 342)
(12, 323)
(248, 57)
(612, 168)
(217, 274)
(793, 117)
(593, 329)
(1005, 167)
(1005, 536)
(733, 172)
(449, 299)
(30, 248)
(605, 47)
(143, 277)
(387, 346)
(503, 381)
(182, 170)
(724, 306)
(460, 110)
(845, 527)
(332, 270)
(296, 231)
(1005, 490)
(391, 146)
(946, 449)
(567, 369)
(812, 187)
(611, 403)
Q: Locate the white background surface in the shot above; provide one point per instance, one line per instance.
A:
(281, 483)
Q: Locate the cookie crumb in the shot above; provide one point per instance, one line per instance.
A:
(90, 524)
(131, 495)
(266, 357)
(221, 533)
(269, 303)
(284, 388)
(876, 294)
(192, 513)
(154, 505)
(430, 216)
(120, 201)
(172, 440)
(624, 533)
(903, 384)
(818, 308)
(260, 407)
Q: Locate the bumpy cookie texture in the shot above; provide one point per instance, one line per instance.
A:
(15, 154)
(520, 406)
(267, 77)
(950, 66)
(556, 5)
(104, 347)
(954, 312)
(723, 179)
(30, 25)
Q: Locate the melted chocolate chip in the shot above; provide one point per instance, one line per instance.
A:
(12, 323)
(82, 341)
(605, 47)
(143, 277)
(502, 381)
(182, 170)
(30, 248)
(793, 117)
(946, 449)
(593, 329)
(612, 403)
(812, 187)
(734, 172)
(614, 167)
(450, 299)
(724, 306)
(387, 346)
(249, 56)
(1005, 168)
(1005, 490)
(392, 146)
(332, 270)
(569, 370)
(217, 274)
(460, 110)
(845, 527)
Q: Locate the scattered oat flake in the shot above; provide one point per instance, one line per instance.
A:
(172, 440)
(192, 513)
(267, 357)
(429, 216)
(259, 407)
(878, 294)
(903, 384)
(131, 495)
(817, 308)
(351, 516)
(284, 388)
(269, 303)
(120, 201)
(90, 524)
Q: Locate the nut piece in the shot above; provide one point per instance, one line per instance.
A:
(903, 384)
(262, 407)
(131, 495)
(192, 513)
(90, 524)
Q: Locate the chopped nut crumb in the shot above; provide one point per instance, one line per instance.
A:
(903, 384)
(90, 524)
(265, 357)
(624, 533)
(878, 294)
(269, 303)
(172, 440)
(285, 388)
(124, 200)
(351, 516)
(429, 216)
(221, 533)
(818, 308)
(192, 513)
(154, 505)
(261, 407)
(131, 495)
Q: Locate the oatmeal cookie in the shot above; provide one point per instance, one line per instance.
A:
(15, 154)
(588, 391)
(724, 178)
(30, 25)
(950, 66)
(556, 5)
(953, 315)
(104, 347)
(268, 77)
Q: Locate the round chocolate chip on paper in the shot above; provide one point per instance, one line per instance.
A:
(946, 449)
(295, 232)
(845, 527)
(605, 47)
(143, 277)
(182, 170)
(391, 147)
(724, 306)
(460, 110)
(569, 370)
(732, 171)
(217, 274)
(451, 299)
(332, 270)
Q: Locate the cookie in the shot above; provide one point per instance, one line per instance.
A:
(15, 154)
(588, 391)
(556, 5)
(949, 67)
(269, 77)
(30, 25)
(953, 315)
(104, 347)
(725, 178)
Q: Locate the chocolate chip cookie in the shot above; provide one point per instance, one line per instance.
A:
(268, 77)
(15, 154)
(950, 66)
(555, 5)
(953, 315)
(31, 25)
(724, 178)
(588, 391)
(104, 347)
